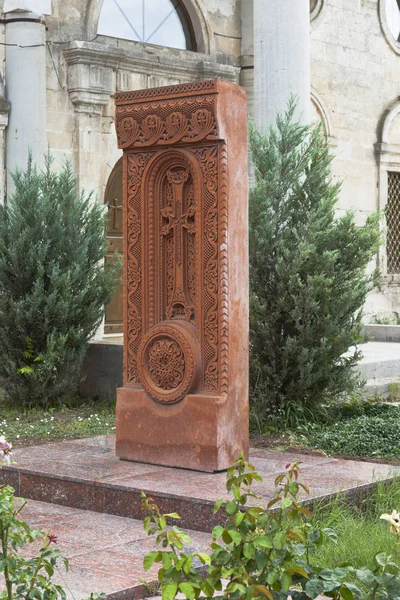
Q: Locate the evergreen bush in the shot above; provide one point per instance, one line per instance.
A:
(54, 284)
(308, 275)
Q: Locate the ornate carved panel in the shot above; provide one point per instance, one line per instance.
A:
(175, 265)
(176, 229)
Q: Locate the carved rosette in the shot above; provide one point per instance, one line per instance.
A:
(169, 361)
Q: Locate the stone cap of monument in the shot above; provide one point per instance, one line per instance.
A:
(174, 114)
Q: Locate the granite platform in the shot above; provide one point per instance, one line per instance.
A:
(85, 474)
(105, 552)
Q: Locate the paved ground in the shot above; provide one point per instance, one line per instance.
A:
(106, 551)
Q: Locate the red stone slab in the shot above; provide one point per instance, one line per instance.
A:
(105, 552)
(185, 397)
(86, 474)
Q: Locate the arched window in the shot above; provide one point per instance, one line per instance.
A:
(315, 8)
(161, 22)
(393, 18)
(389, 15)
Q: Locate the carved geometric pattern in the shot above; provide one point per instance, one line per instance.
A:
(168, 361)
(393, 223)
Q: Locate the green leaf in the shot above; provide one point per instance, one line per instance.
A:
(150, 559)
(218, 505)
(235, 535)
(230, 507)
(248, 550)
(353, 588)
(263, 541)
(331, 534)
(314, 587)
(286, 502)
(188, 590)
(365, 576)
(207, 588)
(217, 532)
(286, 581)
(238, 518)
(187, 565)
(205, 558)
(169, 590)
(314, 536)
(279, 540)
(382, 559)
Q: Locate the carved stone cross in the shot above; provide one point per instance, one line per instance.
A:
(180, 305)
(184, 402)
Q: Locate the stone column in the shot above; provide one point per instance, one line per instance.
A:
(281, 58)
(25, 81)
(4, 110)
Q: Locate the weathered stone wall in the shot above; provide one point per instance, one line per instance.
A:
(354, 76)
(85, 71)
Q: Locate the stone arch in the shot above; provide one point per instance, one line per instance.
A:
(387, 151)
(383, 19)
(315, 8)
(322, 114)
(387, 121)
(195, 12)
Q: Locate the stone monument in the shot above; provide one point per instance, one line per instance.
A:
(185, 397)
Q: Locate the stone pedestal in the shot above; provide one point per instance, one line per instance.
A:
(185, 397)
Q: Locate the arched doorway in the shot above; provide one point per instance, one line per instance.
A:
(113, 200)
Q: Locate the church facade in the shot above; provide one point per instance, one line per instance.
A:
(63, 61)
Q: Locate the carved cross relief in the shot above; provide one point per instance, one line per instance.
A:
(178, 218)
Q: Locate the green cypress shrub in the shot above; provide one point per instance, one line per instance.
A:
(54, 284)
(308, 275)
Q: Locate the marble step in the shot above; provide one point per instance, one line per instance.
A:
(86, 474)
(105, 552)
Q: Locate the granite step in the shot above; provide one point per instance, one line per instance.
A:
(105, 552)
(85, 474)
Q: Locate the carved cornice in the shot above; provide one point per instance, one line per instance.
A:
(139, 58)
(166, 115)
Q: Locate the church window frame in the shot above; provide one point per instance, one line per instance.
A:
(387, 27)
(315, 8)
(178, 9)
(387, 152)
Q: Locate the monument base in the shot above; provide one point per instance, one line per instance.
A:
(199, 433)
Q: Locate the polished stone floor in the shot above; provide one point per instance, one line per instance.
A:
(90, 499)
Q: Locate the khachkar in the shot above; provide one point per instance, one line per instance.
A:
(185, 397)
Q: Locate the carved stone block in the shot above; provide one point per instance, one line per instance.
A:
(185, 397)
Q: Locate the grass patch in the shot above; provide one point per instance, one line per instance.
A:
(78, 418)
(361, 533)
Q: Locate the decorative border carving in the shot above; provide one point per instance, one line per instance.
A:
(223, 248)
(174, 91)
(134, 168)
(165, 123)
